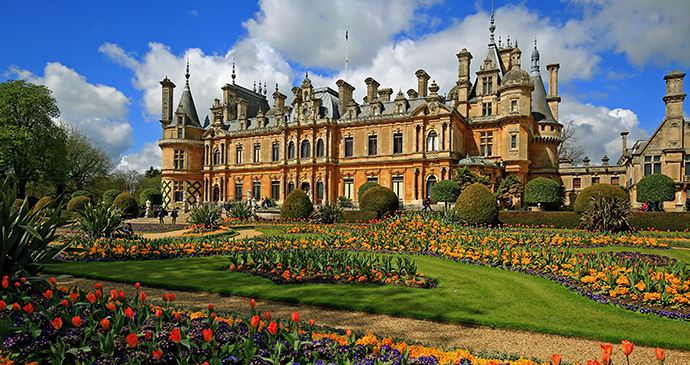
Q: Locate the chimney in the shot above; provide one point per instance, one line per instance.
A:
(674, 93)
(230, 108)
(279, 101)
(345, 91)
(385, 94)
(624, 137)
(372, 89)
(553, 97)
(422, 81)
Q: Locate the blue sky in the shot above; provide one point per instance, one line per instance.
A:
(103, 62)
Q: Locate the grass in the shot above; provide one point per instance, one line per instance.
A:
(674, 253)
(466, 294)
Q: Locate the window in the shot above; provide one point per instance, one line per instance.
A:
(487, 109)
(275, 155)
(657, 164)
(178, 188)
(179, 132)
(348, 188)
(615, 180)
(487, 85)
(432, 141)
(397, 143)
(430, 182)
(687, 165)
(552, 128)
(513, 141)
(291, 187)
(179, 121)
(291, 150)
(372, 145)
(256, 190)
(398, 188)
(238, 155)
(400, 109)
(486, 143)
(652, 165)
(348, 146)
(239, 191)
(179, 159)
(595, 180)
(257, 153)
(577, 183)
(373, 179)
(320, 149)
(319, 191)
(513, 106)
(275, 190)
(216, 156)
(306, 149)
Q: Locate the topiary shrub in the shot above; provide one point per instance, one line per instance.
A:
(606, 213)
(296, 206)
(379, 199)
(82, 193)
(43, 202)
(126, 203)
(151, 194)
(584, 199)
(445, 191)
(78, 203)
(477, 205)
(543, 191)
(110, 195)
(364, 187)
(656, 188)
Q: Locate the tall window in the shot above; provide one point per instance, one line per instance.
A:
(275, 190)
(615, 180)
(486, 143)
(432, 141)
(238, 155)
(216, 156)
(291, 150)
(178, 188)
(290, 187)
(257, 153)
(487, 85)
(320, 148)
(179, 133)
(179, 159)
(306, 149)
(348, 188)
(398, 187)
(687, 165)
(397, 143)
(275, 155)
(372, 145)
(577, 183)
(348, 146)
(319, 191)
(239, 191)
(595, 180)
(256, 190)
(487, 109)
(513, 141)
(430, 182)
(652, 165)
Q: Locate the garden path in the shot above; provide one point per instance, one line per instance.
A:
(439, 334)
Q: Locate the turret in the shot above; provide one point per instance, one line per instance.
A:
(167, 101)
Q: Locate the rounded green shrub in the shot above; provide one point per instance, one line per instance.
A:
(78, 203)
(379, 199)
(543, 190)
(82, 193)
(296, 206)
(151, 194)
(656, 188)
(477, 205)
(109, 196)
(43, 202)
(584, 199)
(445, 191)
(364, 187)
(126, 203)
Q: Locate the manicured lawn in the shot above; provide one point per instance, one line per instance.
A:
(465, 294)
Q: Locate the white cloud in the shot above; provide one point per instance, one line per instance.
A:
(99, 111)
(598, 128)
(149, 155)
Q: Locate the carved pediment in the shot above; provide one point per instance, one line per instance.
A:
(432, 108)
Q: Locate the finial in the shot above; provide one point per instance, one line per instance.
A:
(259, 86)
(508, 40)
(186, 75)
(535, 41)
(306, 76)
(499, 41)
(233, 73)
(516, 45)
(254, 86)
(492, 28)
(265, 88)
(276, 87)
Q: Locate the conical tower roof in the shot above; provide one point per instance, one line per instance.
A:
(187, 104)
(540, 107)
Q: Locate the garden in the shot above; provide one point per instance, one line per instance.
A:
(626, 289)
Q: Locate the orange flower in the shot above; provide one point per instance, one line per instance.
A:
(91, 297)
(136, 286)
(267, 316)
(129, 312)
(113, 294)
(627, 347)
(175, 335)
(76, 321)
(158, 313)
(73, 297)
(111, 307)
(311, 322)
(52, 281)
(105, 323)
(210, 307)
(132, 340)
(156, 354)
(208, 335)
(255, 321)
(99, 286)
(252, 303)
(295, 317)
(142, 296)
(57, 323)
(29, 308)
(48, 294)
(556, 359)
(272, 328)
(660, 354)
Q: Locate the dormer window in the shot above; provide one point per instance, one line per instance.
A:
(513, 106)
(487, 85)
(400, 109)
(179, 133)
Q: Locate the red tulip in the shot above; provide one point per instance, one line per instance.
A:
(23, 280)
(556, 359)
(17, 284)
(660, 354)
(165, 297)
(311, 322)
(5, 284)
(74, 297)
(593, 362)
(295, 317)
(132, 340)
(156, 354)
(178, 315)
(105, 323)
(348, 333)
(122, 295)
(255, 321)
(98, 294)
(52, 281)
(252, 303)
(136, 286)
(171, 297)
(29, 308)
(129, 312)
(3, 305)
(175, 335)
(210, 307)
(606, 351)
(99, 286)
(76, 321)
(57, 323)
(48, 294)
(65, 303)
(627, 347)
(267, 316)
(213, 316)
(113, 294)
(91, 297)
(111, 306)
(147, 335)
(158, 313)
(273, 328)
(142, 296)
(16, 306)
(208, 335)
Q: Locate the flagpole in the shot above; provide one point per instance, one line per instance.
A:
(346, 43)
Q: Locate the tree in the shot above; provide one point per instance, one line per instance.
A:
(543, 191)
(465, 177)
(445, 191)
(510, 186)
(570, 146)
(125, 180)
(33, 146)
(656, 188)
(151, 172)
(87, 162)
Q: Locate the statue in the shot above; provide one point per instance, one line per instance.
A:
(148, 208)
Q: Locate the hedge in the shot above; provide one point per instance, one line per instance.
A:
(353, 216)
(662, 221)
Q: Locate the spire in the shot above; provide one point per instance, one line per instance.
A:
(186, 75)
(535, 59)
(233, 73)
(492, 27)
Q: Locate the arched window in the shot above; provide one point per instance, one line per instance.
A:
(306, 149)
(430, 182)
(432, 141)
(320, 149)
(216, 156)
(291, 150)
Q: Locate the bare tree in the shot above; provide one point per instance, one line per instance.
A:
(570, 146)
